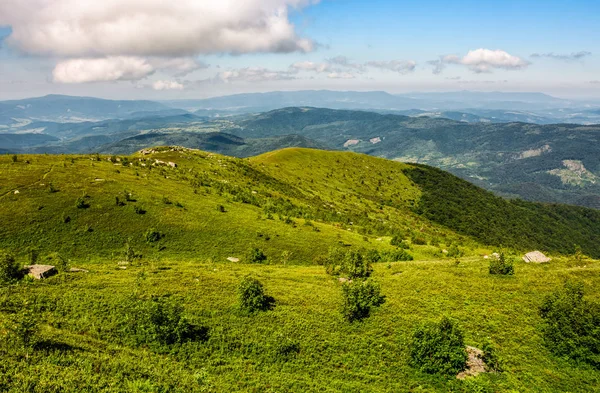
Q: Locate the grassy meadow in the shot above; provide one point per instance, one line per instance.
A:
(182, 221)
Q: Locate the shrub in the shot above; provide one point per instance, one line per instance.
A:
(419, 240)
(81, 203)
(396, 255)
(350, 263)
(158, 322)
(438, 348)
(52, 189)
(256, 255)
(252, 297)
(359, 297)
(571, 324)
(152, 235)
(454, 252)
(139, 210)
(130, 254)
(501, 265)
(9, 268)
(399, 242)
(14, 158)
(221, 208)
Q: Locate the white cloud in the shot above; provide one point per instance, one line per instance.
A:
(341, 75)
(83, 28)
(254, 74)
(102, 70)
(566, 57)
(310, 66)
(119, 68)
(486, 60)
(399, 66)
(167, 85)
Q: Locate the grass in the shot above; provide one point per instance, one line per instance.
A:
(334, 355)
(294, 205)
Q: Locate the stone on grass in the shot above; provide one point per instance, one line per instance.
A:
(41, 271)
(536, 257)
(233, 259)
(475, 363)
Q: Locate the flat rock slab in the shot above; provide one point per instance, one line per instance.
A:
(77, 270)
(536, 257)
(233, 259)
(41, 271)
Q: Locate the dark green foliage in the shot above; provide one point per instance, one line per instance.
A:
(119, 202)
(469, 210)
(221, 208)
(572, 324)
(359, 297)
(166, 201)
(252, 297)
(66, 219)
(10, 270)
(255, 255)
(139, 210)
(14, 158)
(52, 189)
(501, 265)
(152, 235)
(158, 322)
(129, 253)
(439, 348)
(81, 203)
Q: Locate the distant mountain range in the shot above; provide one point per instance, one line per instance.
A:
(513, 153)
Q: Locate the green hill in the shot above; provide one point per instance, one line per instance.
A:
(185, 212)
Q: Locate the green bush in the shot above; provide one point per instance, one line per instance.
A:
(490, 357)
(10, 270)
(252, 296)
(501, 265)
(438, 348)
(350, 263)
(396, 255)
(454, 252)
(81, 203)
(256, 255)
(572, 324)
(158, 322)
(152, 235)
(359, 297)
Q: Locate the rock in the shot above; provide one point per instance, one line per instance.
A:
(41, 271)
(16, 192)
(475, 364)
(486, 257)
(536, 257)
(344, 279)
(233, 259)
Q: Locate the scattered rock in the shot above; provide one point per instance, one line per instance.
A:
(351, 142)
(122, 267)
(41, 271)
(536, 257)
(17, 192)
(475, 363)
(486, 257)
(496, 255)
(344, 279)
(233, 259)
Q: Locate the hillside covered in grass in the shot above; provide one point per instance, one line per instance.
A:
(167, 235)
(211, 206)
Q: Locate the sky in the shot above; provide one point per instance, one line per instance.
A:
(157, 49)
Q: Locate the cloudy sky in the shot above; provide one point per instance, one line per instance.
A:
(162, 49)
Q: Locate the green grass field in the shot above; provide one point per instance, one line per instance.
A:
(295, 205)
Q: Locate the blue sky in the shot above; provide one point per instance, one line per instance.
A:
(332, 44)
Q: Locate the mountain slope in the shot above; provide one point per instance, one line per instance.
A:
(346, 195)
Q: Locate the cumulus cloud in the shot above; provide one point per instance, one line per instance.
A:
(254, 74)
(167, 85)
(77, 28)
(481, 61)
(345, 62)
(565, 57)
(120, 68)
(399, 66)
(108, 69)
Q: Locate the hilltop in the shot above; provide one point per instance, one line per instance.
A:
(286, 194)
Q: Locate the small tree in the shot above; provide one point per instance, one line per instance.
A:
(439, 348)
(9, 268)
(571, 324)
(501, 265)
(256, 255)
(130, 254)
(359, 297)
(252, 296)
(14, 158)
